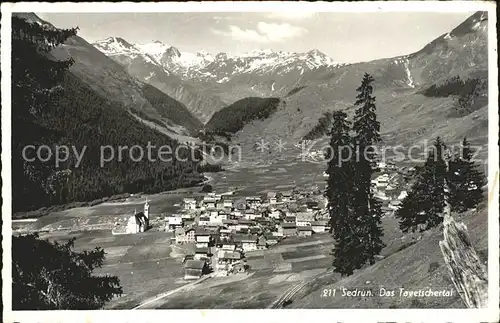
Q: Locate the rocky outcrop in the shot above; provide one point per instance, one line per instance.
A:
(467, 272)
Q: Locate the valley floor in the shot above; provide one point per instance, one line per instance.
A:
(293, 273)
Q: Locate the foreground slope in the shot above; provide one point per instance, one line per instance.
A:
(419, 266)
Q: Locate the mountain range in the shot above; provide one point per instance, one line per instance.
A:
(197, 85)
(312, 83)
(278, 95)
(221, 79)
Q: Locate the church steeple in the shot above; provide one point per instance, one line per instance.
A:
(146, 209)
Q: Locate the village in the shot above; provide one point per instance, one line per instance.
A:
(220, 230)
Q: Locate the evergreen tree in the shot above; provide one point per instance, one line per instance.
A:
(36, 83)
(339, 170)
(465, 181)
(338, 193)
(51, 276)
(367, 207)
(422, 208)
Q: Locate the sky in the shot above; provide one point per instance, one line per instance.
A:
(346, 37)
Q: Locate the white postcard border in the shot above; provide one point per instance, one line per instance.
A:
(331, 315)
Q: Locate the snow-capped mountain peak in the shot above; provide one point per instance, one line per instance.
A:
(115, 45)
(155, 49)
(205, 66)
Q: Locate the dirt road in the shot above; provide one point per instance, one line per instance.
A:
(288, 294)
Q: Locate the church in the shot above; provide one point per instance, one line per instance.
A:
(139, 222)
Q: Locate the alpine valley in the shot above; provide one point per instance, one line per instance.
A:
(310, 84)
(276, 95)
(253, 231)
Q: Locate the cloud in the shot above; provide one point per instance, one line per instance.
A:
(264, 33)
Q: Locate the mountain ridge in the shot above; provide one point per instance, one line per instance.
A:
(206, 83)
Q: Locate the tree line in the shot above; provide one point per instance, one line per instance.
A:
(355, 212)
(470, 94)
(422, 208)
(323, 125)
(51, 106)
(234, 117)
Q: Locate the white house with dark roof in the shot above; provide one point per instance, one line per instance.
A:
(202, 253)
(303, 219)
(227, 203)
(194, 269)
(319, 226)
(173, 222)
(275, 214)
(226, 259)
(137, 223)
(272, 198)
(305, 231)
(251, 214)
(189, 203)
(253, 201)
(237, 213)
(287, 196)
(204, 220)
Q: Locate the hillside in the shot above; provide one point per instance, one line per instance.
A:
(419, 266)
(99, 106)
(234, 117)
(407, 116)
(173, 112)
(109, 78)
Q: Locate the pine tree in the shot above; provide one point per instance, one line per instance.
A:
(422, 208)
(367, 207)
(52, 276)
(465, 181)
(338, 193)
(36, 83)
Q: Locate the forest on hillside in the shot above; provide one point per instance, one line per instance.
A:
(171, 109)
(52, 107)
(234, 117)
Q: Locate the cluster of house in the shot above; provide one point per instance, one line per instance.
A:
(224, 229)
(390, 185)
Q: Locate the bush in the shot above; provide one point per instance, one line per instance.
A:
(208, 168)
(432, 267)
(207, 189)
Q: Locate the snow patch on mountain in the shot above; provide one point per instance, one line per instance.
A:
(154, 49)
(410, 81)
(223, 80)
